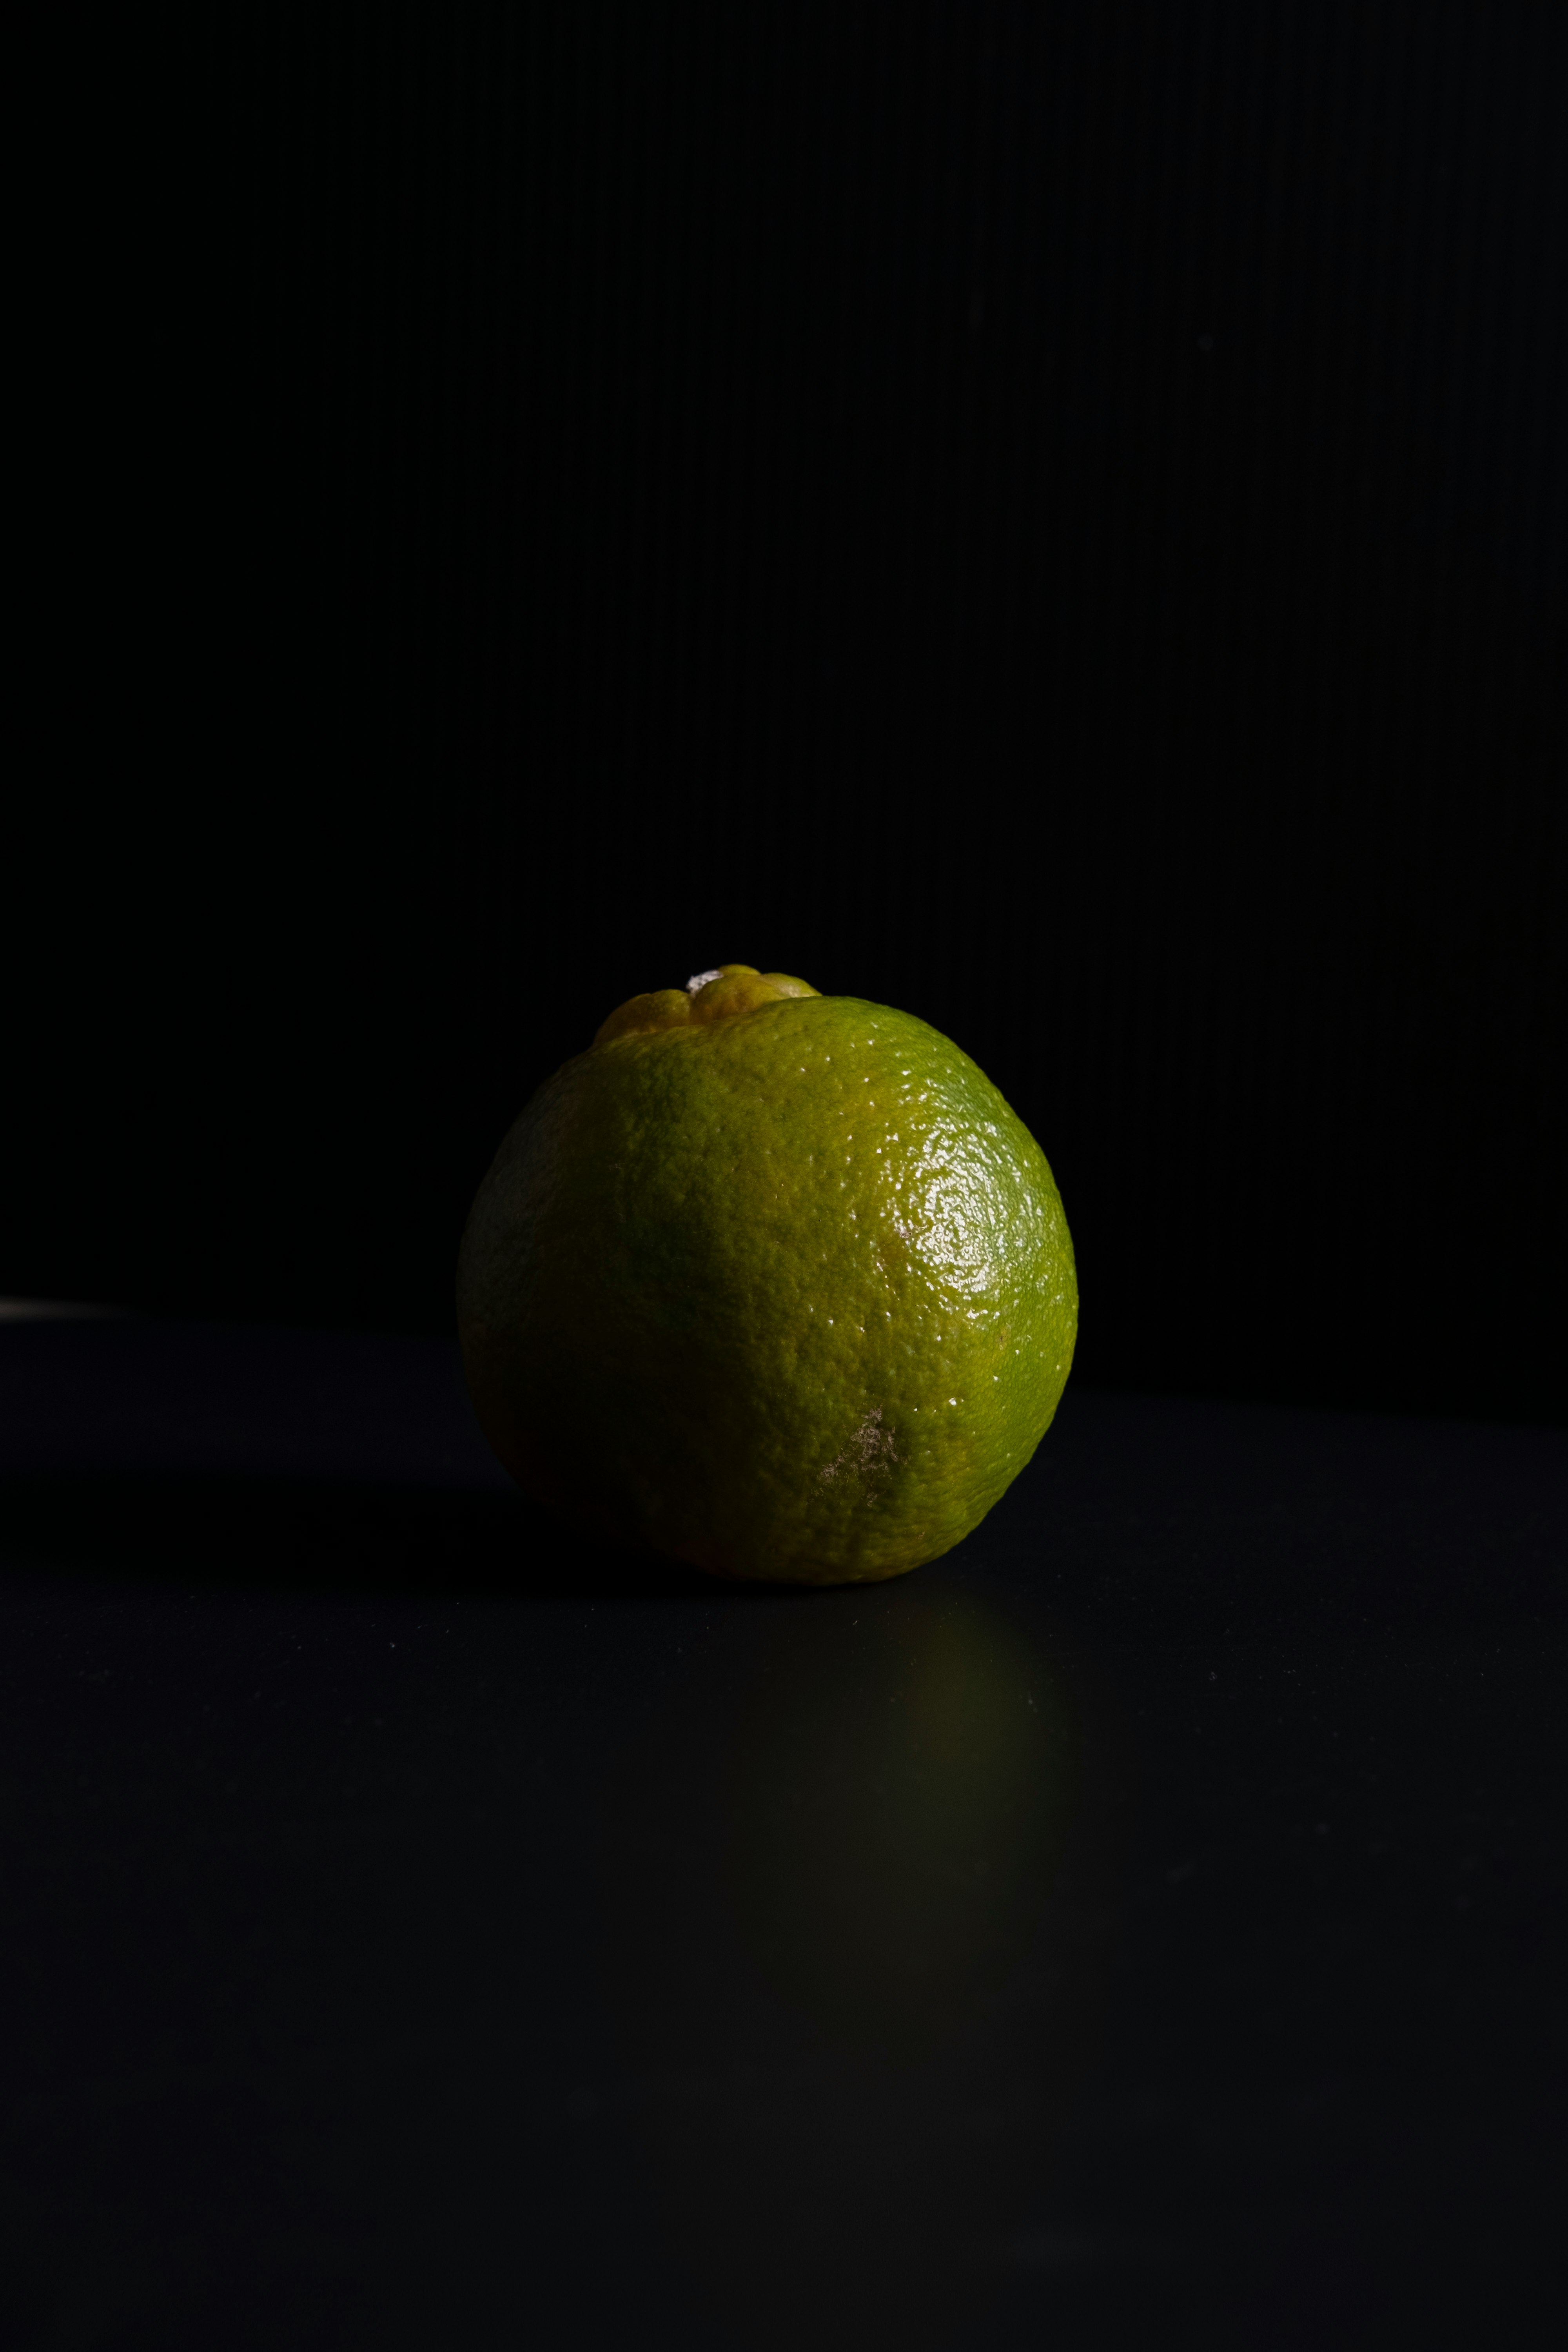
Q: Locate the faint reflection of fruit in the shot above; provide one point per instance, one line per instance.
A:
(894, 1809)
(857, 1879)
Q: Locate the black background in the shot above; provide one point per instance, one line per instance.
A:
(1049, 516)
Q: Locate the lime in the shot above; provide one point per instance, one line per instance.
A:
(772, 1281)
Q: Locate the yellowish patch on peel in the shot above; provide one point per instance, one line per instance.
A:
(721, 995)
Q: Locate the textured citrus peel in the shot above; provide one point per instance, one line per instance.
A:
(721, 995)
(788, 1298)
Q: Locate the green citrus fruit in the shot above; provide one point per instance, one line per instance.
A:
(773, 1282)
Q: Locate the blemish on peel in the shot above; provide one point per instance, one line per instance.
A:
(867, 1455)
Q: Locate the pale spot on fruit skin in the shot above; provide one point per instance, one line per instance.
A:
(867, 1455)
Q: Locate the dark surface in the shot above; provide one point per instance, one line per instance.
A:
(1144, 1925)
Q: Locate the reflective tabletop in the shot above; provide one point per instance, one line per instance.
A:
(1145, 1924)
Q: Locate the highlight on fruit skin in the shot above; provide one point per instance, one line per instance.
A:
(771, 1282)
